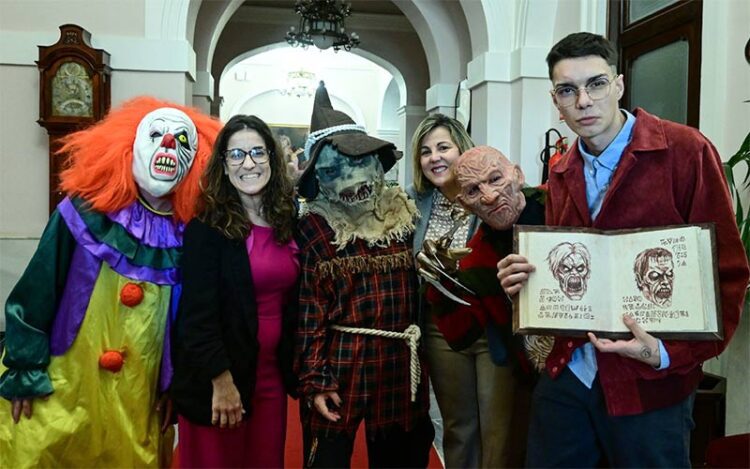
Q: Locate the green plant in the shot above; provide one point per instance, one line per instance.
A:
(743, 218)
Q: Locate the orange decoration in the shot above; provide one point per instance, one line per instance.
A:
(111, 360)
(131, 294)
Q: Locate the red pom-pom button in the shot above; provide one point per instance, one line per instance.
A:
(111, 360)
(131, 294)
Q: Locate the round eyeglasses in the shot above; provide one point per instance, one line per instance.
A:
(597, 89)
(236, 156)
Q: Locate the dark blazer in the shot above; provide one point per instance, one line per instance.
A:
(217, 324)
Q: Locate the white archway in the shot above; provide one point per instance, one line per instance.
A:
(444, 36)
(377, 60)
(357, 83)
(343, 104)
(388, 119)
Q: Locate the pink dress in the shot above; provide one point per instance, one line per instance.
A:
(259, 441)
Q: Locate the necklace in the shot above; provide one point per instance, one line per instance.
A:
(152, 209)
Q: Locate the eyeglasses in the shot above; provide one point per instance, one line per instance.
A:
(236, 156)
(567, 95)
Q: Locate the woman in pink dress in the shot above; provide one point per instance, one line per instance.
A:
(233, 339)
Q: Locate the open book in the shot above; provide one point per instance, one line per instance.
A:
(586, 279)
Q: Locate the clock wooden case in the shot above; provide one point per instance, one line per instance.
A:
(74, 92)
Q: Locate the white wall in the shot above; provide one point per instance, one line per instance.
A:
(355, 85)
(118, 18)
(23, 173)
(150, 55)
(725, 76)
(725, 119)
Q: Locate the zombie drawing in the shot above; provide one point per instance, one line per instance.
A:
(654, 275)
(570, 264)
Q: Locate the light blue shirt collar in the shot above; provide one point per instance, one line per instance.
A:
(598, 170)
(610, 157)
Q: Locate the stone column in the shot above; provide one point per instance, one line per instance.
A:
(409, 118)
(511, 108)
(441, 98)
(203, 91)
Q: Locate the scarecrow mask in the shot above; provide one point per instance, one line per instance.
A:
(348, 180)
(163, 151)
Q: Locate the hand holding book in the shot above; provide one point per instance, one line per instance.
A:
(642, 347)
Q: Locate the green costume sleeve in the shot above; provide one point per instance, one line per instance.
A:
(30, 311)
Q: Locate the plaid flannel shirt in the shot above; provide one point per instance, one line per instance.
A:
(359, 286)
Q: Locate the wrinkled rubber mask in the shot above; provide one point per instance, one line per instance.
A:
(491, 189)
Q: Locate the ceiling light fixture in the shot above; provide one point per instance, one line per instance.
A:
(299, 83)
(322, 25)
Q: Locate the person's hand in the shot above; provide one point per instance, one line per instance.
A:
(23, 406)
(513, 271)
(226, 406)
(321, 404)
(642, 347)
(164, 409)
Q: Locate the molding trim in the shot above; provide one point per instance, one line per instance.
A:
(127, 52)
(526, 62)
(390, 135)
(490, 66)
(204, 85)
(411, 111)
(441, 95)
(287, 17)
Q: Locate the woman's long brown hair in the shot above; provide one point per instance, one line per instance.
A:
(220, 205)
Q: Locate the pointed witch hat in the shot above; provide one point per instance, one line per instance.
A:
(328, 125)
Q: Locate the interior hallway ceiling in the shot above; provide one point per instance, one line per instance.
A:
(378, 7)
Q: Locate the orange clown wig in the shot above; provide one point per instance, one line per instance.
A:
(99, 169)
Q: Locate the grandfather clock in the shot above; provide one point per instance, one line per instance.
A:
(74, 92)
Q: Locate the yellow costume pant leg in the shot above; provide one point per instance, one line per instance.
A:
(95, 417)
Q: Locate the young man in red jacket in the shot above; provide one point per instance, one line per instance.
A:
(627, 400)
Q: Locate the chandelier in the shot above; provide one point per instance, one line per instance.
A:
(299, 83)
(322, 25)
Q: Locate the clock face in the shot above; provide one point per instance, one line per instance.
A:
(72, 91)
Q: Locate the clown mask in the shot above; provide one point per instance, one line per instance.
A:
(348, 180)
(490, 186)
(163, 151)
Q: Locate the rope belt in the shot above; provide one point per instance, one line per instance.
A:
(411, 335)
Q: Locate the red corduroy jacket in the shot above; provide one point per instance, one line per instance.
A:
(669, 174)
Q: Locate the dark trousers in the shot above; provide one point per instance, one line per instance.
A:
(388, 449)
(570, 428)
